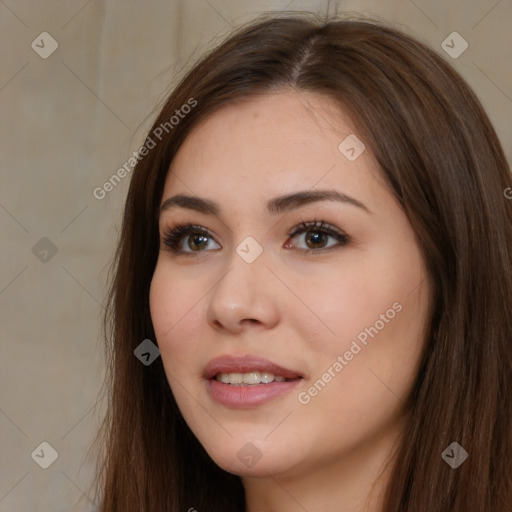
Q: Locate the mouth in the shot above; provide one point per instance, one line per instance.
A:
(248, 381)
(250, 378)
(248, 370)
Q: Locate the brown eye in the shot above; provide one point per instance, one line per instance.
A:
(317, 236)
(316, 239)
(196, 238)
(197, 242)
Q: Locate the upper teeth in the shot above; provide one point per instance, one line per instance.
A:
(248, 378)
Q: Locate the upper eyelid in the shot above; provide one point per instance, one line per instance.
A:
(316, 225)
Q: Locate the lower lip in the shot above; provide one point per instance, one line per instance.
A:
(248, 396)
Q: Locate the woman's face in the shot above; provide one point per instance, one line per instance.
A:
(339, 308)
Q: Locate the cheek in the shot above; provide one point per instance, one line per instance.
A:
(374, 312)
(377, 291)
(175, 315)
(343, 302)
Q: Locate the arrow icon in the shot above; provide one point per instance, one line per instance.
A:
(454, 455)
(44, 250)
(351, 147)
(44, 45)
(247, 252)
(249, 455)
(44, 455)
(454, 45)
(146, 352)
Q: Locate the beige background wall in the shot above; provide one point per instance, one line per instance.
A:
(68, 122)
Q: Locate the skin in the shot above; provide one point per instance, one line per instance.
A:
(299, 310)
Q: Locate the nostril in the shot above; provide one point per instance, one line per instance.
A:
(250, 321)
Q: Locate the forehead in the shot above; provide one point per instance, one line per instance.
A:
(266, 146)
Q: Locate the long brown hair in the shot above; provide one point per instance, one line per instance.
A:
(442, 158)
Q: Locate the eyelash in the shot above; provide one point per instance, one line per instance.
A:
(173, 235)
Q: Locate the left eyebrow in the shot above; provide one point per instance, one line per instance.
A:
(275, 206)
(296, 200)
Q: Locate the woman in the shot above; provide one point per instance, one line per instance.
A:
(317, 240)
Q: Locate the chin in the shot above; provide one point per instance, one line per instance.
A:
(248, 459)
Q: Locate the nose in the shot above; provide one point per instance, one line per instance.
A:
(245, 295)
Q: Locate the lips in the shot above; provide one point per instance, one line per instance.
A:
(246, 364)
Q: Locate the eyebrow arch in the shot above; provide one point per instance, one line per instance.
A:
(275, 206)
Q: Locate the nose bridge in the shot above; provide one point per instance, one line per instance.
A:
(246, 269)
(243, 292)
